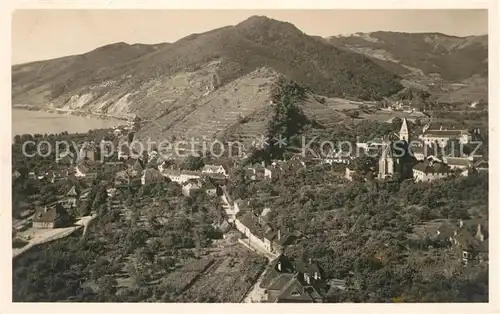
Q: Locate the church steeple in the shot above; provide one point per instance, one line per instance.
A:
(404, 134)
(386, 161)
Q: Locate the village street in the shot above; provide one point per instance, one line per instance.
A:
(230, 212)
(256, 293)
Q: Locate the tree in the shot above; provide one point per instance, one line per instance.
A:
(192, 163)
(396, 123)
(364, 163)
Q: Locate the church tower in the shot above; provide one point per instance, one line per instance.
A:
(386, 161)
(404, 133)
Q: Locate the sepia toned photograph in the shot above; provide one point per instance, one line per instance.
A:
(250, 156)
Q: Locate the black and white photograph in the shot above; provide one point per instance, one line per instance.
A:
(250, 156)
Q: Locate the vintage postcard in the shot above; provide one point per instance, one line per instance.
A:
(265, 156)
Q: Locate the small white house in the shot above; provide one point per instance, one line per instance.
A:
(151, 176)
(427, 172)
(189, 188)
(214, 169)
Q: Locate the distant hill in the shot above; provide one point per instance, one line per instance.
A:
(454, 58)
(428, 60)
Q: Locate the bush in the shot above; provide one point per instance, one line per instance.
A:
(18, 243)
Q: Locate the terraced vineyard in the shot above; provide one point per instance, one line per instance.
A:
(213, 113)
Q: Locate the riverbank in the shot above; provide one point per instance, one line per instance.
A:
(74, 112)
(31, 121)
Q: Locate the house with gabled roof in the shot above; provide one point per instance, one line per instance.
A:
(50, 217)
(261, 234)
(211, 188)
(215, 169)
(470, 237)
(430, 171)
(72, 197)
(285, 281)
(190, 188)
(86, 170)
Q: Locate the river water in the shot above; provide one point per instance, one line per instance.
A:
(31, 122)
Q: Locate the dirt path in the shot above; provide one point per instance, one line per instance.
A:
(228, 209)
(39, 236)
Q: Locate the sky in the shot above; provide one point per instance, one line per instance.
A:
(47, 34)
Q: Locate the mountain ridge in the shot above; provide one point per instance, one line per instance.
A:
(222, 74)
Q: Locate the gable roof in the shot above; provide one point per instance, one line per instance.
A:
(171, 172)
(437, 168)
(404, 127)
(74, 191)
(457, 161)
(49, 213)
(446, 230)
(191, 185)
(280, 281)
(482, 164)
(214, 168)
(291, 289)
(444, 133)
(88, 167)
(250, 221)
(273, 272)
(309, 268)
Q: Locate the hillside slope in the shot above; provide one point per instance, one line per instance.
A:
(106, 79)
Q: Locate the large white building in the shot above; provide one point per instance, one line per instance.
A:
(181, 176)
(443, 136)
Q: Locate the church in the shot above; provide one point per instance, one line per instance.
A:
(395, 157)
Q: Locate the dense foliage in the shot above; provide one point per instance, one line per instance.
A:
(144, 250)
(367, 233)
